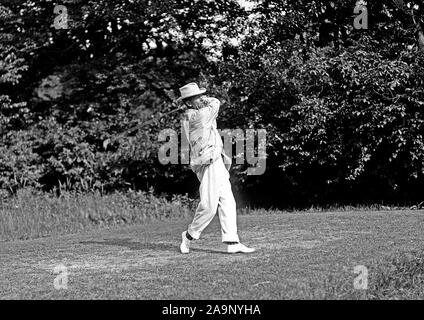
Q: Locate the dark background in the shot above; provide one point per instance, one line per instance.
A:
(343, 108)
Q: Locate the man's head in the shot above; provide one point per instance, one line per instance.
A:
(190, 95)
(193, 102)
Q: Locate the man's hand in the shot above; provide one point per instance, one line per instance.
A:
(182, 107)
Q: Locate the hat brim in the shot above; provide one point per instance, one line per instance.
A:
(201, 91)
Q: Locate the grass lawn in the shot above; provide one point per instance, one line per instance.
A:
(305, 255)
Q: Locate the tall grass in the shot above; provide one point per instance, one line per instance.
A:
(333, 208)
(32, 214)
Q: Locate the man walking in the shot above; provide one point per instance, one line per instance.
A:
(207, 162)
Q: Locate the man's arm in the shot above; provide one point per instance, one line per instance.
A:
(201, 122)
(209, 111)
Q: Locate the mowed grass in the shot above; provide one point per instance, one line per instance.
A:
(300, 255)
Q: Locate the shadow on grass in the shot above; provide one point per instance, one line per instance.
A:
(209, 251)
(134, 245)
(159, 246)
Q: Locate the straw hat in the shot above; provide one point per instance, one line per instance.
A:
(189, 90)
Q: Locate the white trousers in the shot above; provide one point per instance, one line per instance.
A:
(215, 193)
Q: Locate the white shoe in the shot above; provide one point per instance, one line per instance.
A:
(239, 247)
(185, 244)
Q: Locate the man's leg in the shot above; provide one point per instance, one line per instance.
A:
(209, 197)
(206, 209)
(227, 214)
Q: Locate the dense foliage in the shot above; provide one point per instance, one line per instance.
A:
(343, 108)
